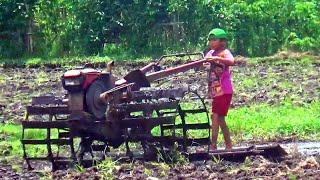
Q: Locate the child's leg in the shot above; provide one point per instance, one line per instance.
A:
(214, 131)
(225, 131)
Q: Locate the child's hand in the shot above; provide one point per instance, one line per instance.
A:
(207, 65)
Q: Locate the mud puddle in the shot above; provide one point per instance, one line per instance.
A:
(305, 148)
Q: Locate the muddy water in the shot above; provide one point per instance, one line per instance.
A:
(305, 148)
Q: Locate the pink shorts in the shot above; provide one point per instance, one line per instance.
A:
(221, 104)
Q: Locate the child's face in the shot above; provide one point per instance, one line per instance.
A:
(216, 43)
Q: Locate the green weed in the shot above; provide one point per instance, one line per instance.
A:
(217, 160)
(163, 168)
(33, 62)
(148, 172)
(106, 168)
(42, 77)
(249, 82)
(292, 176)
(79, 168)
(3, 78)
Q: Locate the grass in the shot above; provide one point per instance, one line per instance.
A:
(281, 58)
(265, 122)
(10, 145)
(64, 61)
(10, 139)
(285, 58)
(42, 77)
(106, 168)
(262, 122)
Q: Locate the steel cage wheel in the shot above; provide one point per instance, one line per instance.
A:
(193, 125)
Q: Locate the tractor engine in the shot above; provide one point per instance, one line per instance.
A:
(84, 87)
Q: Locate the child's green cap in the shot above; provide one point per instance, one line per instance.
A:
(217, 33)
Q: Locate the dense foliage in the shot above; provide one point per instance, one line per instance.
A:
(146, 27)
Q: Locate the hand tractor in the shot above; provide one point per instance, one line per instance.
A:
(100, 112)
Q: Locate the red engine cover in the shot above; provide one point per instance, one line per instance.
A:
(89, 75)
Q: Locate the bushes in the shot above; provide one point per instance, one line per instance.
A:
(86, 27)
(304, 44)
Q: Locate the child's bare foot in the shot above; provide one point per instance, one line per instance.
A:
(213, 147)
(228, 146)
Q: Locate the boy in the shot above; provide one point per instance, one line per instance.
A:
(220, 85)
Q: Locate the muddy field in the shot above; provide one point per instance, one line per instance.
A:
(254, 83)
(293, 166)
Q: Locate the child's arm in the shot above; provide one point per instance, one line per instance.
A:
(224, 60)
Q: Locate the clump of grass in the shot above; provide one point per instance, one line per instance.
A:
(31, 62)
(3, 79)
(10, 139)
(10, 134)
(106, 168)
(41, 78)
(161, 167)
